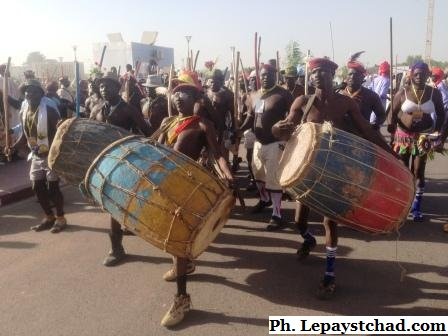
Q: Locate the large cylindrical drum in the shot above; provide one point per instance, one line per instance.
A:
(77, 143)
(346, 178)
(161, 195)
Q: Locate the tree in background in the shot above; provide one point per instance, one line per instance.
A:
(294, 55)
(35, 57)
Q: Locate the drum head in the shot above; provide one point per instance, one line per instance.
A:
(297, 155)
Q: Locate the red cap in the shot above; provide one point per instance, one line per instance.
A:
(322, 63)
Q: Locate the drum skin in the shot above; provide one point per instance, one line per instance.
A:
(347, 178)
(77, 143)
(161, 195)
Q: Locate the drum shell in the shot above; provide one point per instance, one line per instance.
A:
(353, 181)
(77, 143)
(159, 194)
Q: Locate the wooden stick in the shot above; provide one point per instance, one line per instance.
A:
(236, 91)
(232, 67)
(170, 81)
(137, 68)
(306, 71)
(7, 150)
(195, 60)
(278, 67)
(244, 77)
(391, 68)
(102, 57)
(78, 90)
(256, 64)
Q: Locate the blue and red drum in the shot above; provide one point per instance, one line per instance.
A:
(161, 195)
(346, 178)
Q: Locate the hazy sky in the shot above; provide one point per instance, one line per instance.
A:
(53, 27)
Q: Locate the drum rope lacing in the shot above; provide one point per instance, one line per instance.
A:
(143, 175)
(177, 213)
(330, 145)
(317, 181)
(396, 225)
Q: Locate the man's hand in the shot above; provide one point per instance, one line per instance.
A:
(283, 129)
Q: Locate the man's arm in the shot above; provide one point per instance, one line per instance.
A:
(250, 117)
(139, 121)
(53, 122)
(212, 145)
(364, 127)
(378, 109)
(283, 129)
(392, 117)
(440, 113)
(231, 109)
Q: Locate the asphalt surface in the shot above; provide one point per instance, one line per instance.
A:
(55, 284)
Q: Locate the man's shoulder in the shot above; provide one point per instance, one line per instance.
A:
(343, 99)
(281, 90)
(366, 92)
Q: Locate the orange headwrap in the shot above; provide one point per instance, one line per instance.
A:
(437, 74)
(384, 69)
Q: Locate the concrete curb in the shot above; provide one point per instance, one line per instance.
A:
(15, 195)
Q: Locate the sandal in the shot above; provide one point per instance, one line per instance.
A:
(306, 248)
(327, 288)
(59, 225)
(46, 223)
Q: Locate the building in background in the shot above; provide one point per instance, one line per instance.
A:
(144, 56)
(48, 70)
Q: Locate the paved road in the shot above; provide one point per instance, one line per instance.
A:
(53, 285)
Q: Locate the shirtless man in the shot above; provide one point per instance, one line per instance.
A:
(266, 107)
(188, 133)
(94, 96)
(116, 112)
(222, 112)
(340, 110)
(368, 101)
(155, 106)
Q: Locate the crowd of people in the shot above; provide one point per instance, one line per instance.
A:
(202, 123)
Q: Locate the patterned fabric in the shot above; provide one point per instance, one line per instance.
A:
(408, 143)
(179, 125)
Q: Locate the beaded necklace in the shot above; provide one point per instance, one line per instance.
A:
(419, 99)
(353, 95)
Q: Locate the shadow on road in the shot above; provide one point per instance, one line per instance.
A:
(16, 245)
(365, 287)
(200, 317)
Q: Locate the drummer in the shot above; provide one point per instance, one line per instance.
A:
(188, 133)
(340, 110)
(114, 110)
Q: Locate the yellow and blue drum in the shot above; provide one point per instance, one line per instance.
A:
(161, 195)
